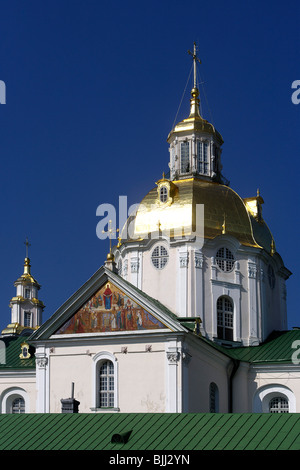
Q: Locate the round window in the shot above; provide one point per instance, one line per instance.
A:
(159, 257)
(225, 259)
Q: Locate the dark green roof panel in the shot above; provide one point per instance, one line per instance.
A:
(151, 431)
(280, 347)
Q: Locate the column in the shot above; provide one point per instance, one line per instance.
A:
(182, 283)
(173, 394)
(198, 288)
(42, 382)
(252, 303)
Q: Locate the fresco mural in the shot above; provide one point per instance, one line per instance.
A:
(110, 310)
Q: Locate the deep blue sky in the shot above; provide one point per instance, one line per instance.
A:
(92, 92)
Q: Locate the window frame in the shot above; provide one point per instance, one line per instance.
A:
(27, 318)
(202, 157)
(27, 293)
(185, 161)
(163, 194)
(226, 261)
(160, 257)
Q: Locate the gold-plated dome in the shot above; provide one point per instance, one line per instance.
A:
(224, 211)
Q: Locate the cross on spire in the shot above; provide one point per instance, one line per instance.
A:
(27, 244)
(195, 60)
(111, 233)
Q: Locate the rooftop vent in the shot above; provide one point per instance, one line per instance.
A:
(121, 438)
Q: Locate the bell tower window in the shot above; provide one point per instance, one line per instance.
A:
(27, 293)
(202, 153)
(27, 318)
(185, 157)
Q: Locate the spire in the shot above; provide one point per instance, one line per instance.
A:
(195, 101)
(26, 308)
(27, 260)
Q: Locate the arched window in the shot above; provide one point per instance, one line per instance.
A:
(106, 385)
(225, 318)
(225, 259)
(213, 398)
(274, 398)
(159, 257)
(279, 405)
(105, 382)
(18, 405)
(163, 194)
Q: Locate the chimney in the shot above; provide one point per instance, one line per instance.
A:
(70, 405)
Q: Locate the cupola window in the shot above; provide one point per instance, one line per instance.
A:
(159, 257)
(27, 293)
(202, 153)
(225, 259)
(27, 318)
(163, 194)
(185, 157)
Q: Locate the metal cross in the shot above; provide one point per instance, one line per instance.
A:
(27, 245)
(111, 233)
(195, 59)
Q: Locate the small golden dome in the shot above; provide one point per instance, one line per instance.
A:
(110, 257)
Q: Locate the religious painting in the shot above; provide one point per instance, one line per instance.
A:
(108, 310)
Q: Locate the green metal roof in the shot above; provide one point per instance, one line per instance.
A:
(278, 348)
(150, 431)
(13, 351)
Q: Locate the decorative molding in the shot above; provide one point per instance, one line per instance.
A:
(184, 259)
(134, 264)
(199, 259)
(252, 270)
(42, 362)
(173, 357)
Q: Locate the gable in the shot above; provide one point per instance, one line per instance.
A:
(110, 309)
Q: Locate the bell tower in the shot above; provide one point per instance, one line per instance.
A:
(195, 145)
(26, 308)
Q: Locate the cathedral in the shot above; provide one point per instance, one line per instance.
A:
(186, 315)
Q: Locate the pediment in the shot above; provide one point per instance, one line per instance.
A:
(110, 310)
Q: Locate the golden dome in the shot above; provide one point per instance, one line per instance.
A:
(220, 204)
